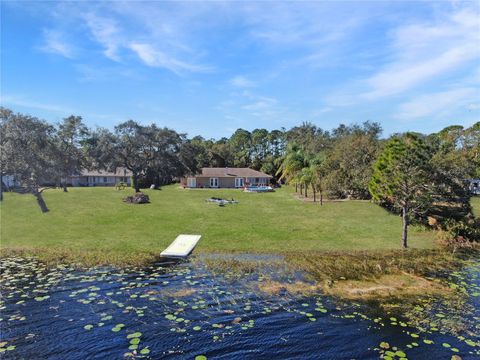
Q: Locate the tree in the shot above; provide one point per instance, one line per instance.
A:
(27, 151)
(291, 165)
(318, 171)
(154, 155)
(350, 158)
(68, 138)
(260, 148)
(198, 146)
(471, 145)
(402, 176)
(276, 142)
(241, 144)
(221, 154)
(99, 150)
(169, 155)
(5, 114)
(133, 149)
(306, 176)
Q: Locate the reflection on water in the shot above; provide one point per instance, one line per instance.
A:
(180, 311)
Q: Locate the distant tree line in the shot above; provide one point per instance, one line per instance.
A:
(421, 177)
(416, 175)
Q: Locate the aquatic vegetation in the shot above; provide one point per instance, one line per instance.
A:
(273, 287)
(133, 308)
(397, 285)
(361, 265)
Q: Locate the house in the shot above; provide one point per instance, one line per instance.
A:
(474, 186)
(9, 182)
(101, 178)
(226, 178)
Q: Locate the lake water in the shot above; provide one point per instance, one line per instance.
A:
(183, 311)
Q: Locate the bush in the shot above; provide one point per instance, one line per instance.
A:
(468, 229)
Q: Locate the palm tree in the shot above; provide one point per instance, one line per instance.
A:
(306, 177)
(292, 163)
(318, 173)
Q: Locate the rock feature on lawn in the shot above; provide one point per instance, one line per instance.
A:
(138, 198)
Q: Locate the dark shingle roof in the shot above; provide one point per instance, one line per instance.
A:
(232, 172)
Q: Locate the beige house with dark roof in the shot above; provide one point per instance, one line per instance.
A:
(101, 178)
(226, 178)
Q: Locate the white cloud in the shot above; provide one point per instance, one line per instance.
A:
(310, 26)
(96, 73)
(261, 103)
(149, 33)
(400, 77)
(422, 52)
(10, 100)
(242, 82)
(178, 32)
(321, 111)
(438, 103)
(106, 32)
(262, 107)
(55, 43)
(473, 106)
(156, 58)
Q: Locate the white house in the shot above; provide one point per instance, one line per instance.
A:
(101, 178)
(226, 178)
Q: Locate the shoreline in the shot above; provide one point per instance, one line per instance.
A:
(372, 273)
(393, 282)
(371, 261)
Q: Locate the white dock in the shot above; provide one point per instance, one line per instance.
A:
(182, 246)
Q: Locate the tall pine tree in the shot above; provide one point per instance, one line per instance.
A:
(402, 177)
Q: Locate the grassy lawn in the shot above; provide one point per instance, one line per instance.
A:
(95, 220)
(476, 205)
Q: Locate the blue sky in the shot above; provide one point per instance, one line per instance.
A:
(211, 67)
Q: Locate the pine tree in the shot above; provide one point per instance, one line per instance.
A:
(402, 177)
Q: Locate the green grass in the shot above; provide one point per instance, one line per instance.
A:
(476, 205)
(94, 222)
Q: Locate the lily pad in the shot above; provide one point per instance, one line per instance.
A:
(135, 341)
(400, 353)
(134, 335)
(145, 351)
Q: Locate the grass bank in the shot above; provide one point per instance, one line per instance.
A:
(94, 226)
(341, 245)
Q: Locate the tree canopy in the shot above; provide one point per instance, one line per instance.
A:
(413, 174)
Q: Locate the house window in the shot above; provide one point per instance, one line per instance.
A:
(239, 182)
(191, 182)
(214, 182)
(105, 179)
